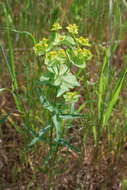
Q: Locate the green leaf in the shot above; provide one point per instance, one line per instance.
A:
(114, 98)
(94, 129)
(70, 79)
(71, 116)
(40, 135)
(103, 85)
(47, 78)
(56, 122)
(62, 89)
(58, 69)
(47, 105)
(68, 145)
(68, 41)
(66, 82)
(63, 78)
(26, 33)
(44, 77)
(75, 60)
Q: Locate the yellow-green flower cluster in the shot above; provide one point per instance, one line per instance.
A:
(83, 53)
(71, 97)
(41, 47)
(61, 53)
(72, 28)
(52, 55)
(61, 37)
(44, 40)
(56, 26)
(83, 41)
(56, 54)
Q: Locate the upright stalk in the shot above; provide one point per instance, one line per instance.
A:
(10, 61)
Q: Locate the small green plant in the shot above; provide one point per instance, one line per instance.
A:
(52, 78)
(60, 53)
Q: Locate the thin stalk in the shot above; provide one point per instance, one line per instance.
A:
(11, 55)
(14, 82)
(110, 30)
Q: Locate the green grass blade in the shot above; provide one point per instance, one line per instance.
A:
(103, 85)
(9, 23)
(114, 98)
(14, 80)
(25, 33)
